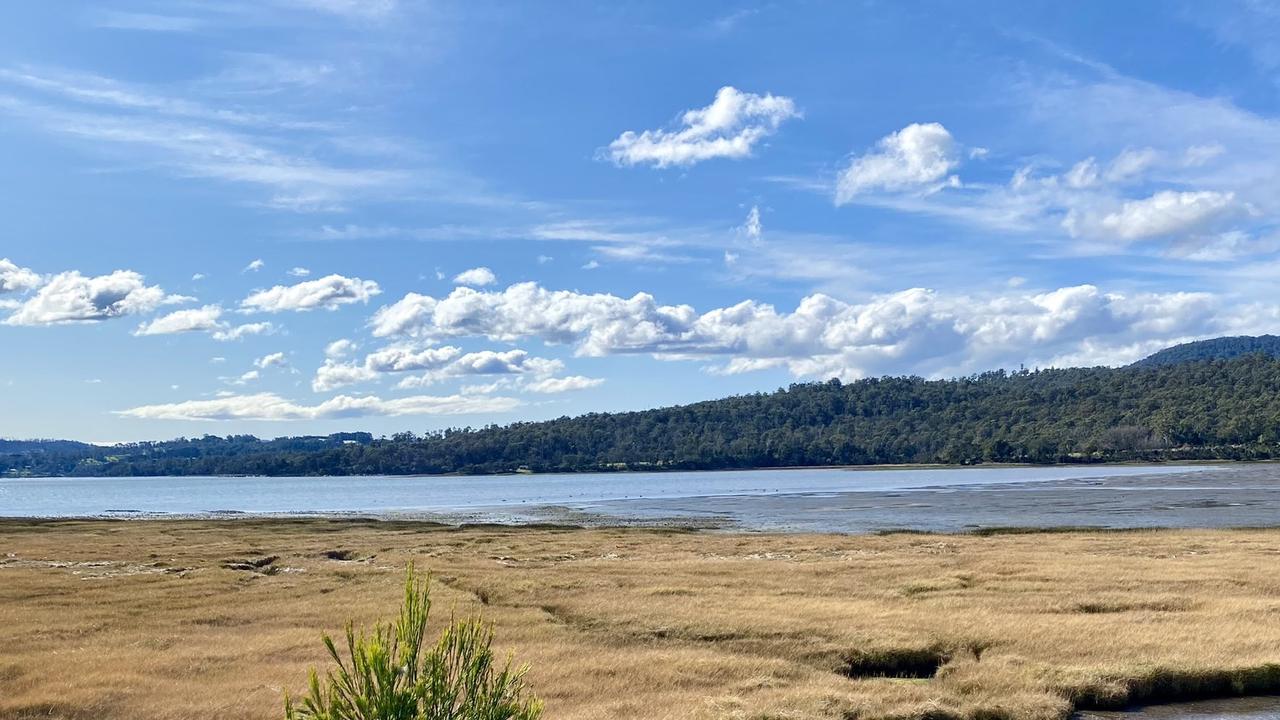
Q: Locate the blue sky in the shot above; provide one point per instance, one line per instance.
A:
(304, 216)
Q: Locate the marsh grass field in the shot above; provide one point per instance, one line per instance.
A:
(144, 620)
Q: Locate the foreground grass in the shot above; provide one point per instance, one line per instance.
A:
(195, 619)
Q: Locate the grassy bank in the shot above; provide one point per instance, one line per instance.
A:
(204, 619)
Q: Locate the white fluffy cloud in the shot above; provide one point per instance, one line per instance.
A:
(275, 359)
(339, 348)
(918, 155)
(914, 330)
(1168, 213)
(435, 364)
(527, 310)
(334, 374)
(475, 277)
(487, 362)
(16, 279)
(327, 292)
(269, 406)
(202, 319)
(71, 297)
(730, 127)
(239, 332)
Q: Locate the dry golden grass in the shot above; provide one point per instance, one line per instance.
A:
(175, 619)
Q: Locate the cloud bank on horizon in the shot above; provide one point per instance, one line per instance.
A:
(324, 229)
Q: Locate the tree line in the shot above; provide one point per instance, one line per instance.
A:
(1208, 409)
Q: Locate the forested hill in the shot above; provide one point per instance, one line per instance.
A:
(1223, 348)
(1206, 409)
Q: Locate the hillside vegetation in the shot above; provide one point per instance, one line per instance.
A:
(1223, 348)
(1226, 409)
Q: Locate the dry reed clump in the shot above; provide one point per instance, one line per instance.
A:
(644, 624)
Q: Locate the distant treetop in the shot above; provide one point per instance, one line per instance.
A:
(1223, 348)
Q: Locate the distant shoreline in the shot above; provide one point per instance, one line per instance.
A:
(664, 471)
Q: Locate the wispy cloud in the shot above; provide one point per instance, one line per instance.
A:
(97, 90)
(296, 182)
(272, 407)
(146, 22)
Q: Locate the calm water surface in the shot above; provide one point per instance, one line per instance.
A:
(1255, 708)
(798, 500)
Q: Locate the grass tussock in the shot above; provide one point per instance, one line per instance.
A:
(896, 662)
(1169, 684)
(392, 674)
(642, 624)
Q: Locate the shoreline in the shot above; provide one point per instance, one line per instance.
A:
(664, 471)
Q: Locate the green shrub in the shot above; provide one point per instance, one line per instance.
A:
(390, 674)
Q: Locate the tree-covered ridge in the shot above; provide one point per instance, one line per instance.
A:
(1223, 348)
(1206, 409)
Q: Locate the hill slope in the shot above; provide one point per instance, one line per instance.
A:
(1206, 409)
(1223, 348)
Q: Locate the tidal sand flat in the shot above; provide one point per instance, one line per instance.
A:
(203, 619)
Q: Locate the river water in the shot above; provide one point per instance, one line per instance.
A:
(815, 500)
(1249, 708)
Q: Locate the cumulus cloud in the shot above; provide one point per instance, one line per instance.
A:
(915, 330)
(239, 332)
(475, 277)
(487, 362)
(70, 297)
(435, 364)
(275, 359)
(730, 127)
(202, 319)
(917, 156)
(254, 266)
(334, 374)
(269, 406)
(339, 348)
(328, 292)
(1167, 213)
(299, 272)
(244, 379)
(16, 279)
